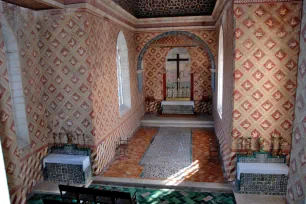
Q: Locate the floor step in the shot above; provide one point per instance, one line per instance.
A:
(176, 124)
(200, 121)
(147, 183)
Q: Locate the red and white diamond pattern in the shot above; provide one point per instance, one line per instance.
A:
(59, 58)
(154, 64)
(266, 40)
(108, 125)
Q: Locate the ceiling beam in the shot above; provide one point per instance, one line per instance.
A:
(38, 4)
(218, 9)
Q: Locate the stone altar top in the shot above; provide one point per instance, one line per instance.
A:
(181, 103)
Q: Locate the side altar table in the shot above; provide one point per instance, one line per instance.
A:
(262, 173)
(177, 107)
(68, 164)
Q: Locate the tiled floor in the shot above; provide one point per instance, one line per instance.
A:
(203, 170)
(159, 196)
(129, 167)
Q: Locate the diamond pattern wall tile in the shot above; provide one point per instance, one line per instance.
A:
(266, 40)
(68, 73)
(155, 62)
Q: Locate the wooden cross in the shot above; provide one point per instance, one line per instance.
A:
(178, 60)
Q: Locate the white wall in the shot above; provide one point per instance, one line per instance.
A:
(4, 191)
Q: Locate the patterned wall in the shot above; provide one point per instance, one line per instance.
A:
(67, 78)
(104, 153)
(223, 127)
(296, 191)
(150, 9)
(21, 22)
(208, 36)
(8, 135)
(266, 54)
(21, 164)
(155, 67)
(66, 68)
(109, 126)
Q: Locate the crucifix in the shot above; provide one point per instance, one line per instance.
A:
(178, 60)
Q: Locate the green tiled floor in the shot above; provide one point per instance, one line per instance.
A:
(161, 196)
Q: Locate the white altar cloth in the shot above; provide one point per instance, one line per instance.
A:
(180, 103)
(262, 168)
(67, 159)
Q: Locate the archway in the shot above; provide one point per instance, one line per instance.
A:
(173, 33)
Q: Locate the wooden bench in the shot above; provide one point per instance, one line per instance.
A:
(96, 195)
(50, 201)
(124, 198)
(69, 192)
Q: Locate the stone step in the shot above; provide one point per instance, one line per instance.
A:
(147, 183)
(177, 123)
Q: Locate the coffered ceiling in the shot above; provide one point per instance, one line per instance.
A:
(167, 8)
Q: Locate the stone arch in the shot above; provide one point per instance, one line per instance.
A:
(173, 33)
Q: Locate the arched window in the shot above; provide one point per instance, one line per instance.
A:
(16, 87)
(220, 73)
(123, 75)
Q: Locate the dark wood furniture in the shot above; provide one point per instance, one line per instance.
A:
(125, 198)
(69, 193)
(213, 148)
(91, 195)
(122, 148)
(51, 201)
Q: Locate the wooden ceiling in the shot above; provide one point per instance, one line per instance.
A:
(34, 4)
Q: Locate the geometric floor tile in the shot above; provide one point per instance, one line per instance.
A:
(160, 196)
(169, 152)
(202, 169)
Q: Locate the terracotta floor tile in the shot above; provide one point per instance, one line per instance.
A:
(207, 171)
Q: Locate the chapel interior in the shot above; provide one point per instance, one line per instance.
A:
(153, 101)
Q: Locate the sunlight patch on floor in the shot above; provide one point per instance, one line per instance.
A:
(183, 174)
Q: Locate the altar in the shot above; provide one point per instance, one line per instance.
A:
(178, 83)
(177, 107)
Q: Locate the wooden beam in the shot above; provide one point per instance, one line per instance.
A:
(38, 4)
(218, 9)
